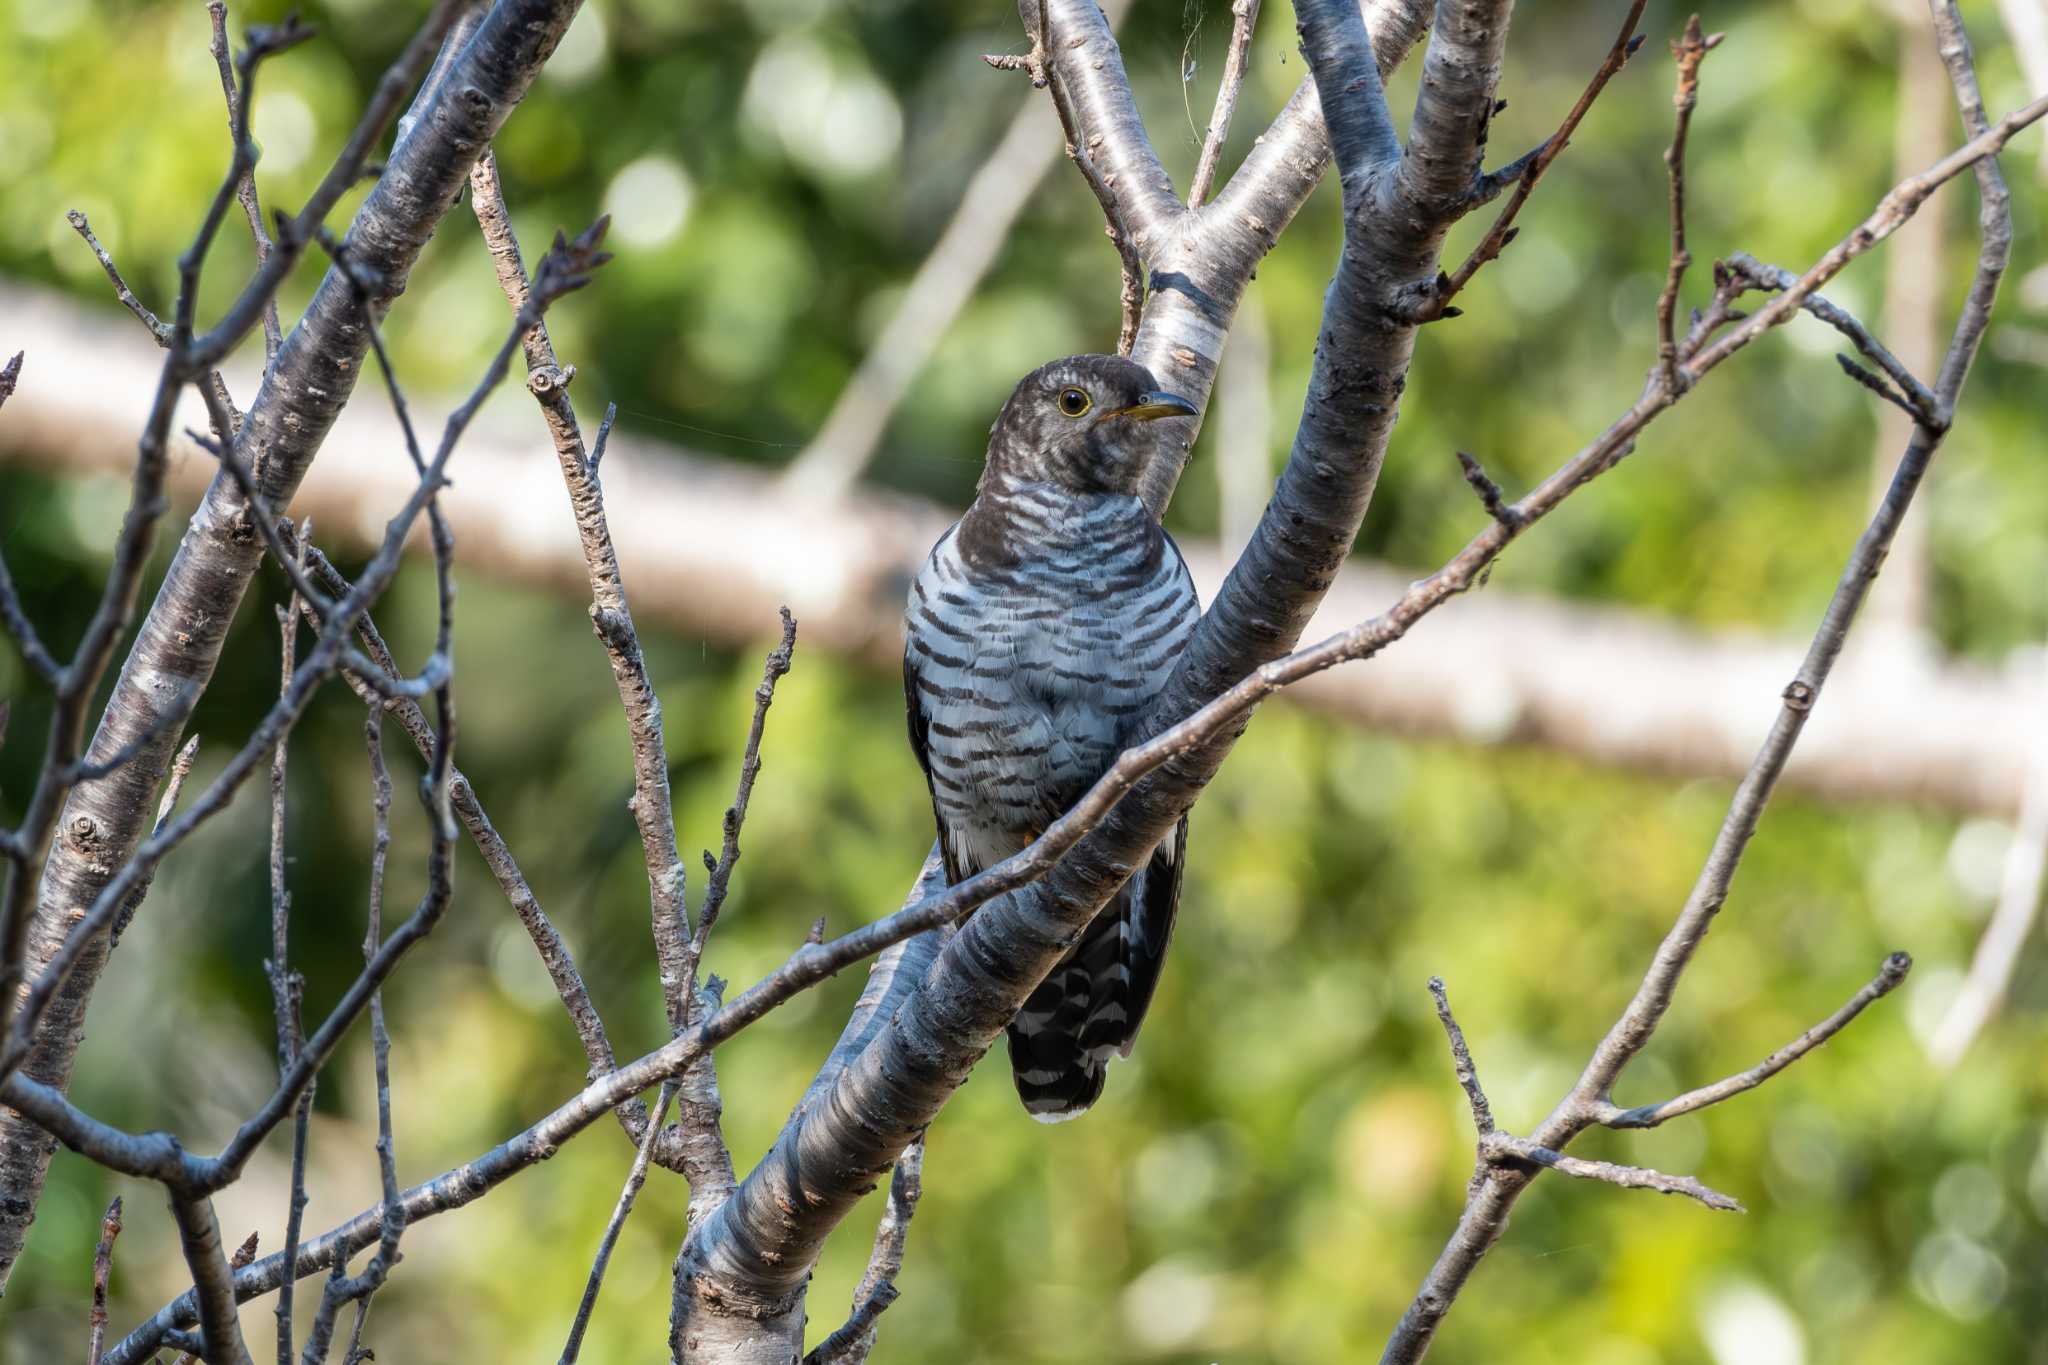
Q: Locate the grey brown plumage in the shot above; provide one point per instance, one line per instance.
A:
(1038, 632)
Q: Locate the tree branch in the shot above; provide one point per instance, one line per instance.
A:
(1448, 129)
(1884, 983)
(853, 1341)
(1529, 170)
(304, 390)
(636, 1176)
(1244, 18)
(102, 1268)
(1493, 1195)
(1503, 667)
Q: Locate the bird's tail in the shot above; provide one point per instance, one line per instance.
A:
(1088, 1010)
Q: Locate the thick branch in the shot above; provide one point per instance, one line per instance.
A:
(303, 393)
(1452, 109)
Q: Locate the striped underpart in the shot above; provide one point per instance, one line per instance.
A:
(1039, 631)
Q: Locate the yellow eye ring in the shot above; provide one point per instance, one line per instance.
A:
(1074, 403)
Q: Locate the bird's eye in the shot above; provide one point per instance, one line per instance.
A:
(1073, 402)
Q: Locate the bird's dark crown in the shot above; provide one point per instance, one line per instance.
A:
(1085, 424)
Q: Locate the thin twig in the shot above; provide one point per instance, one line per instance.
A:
(1689, 51)
(1244, 18)
(273, 336)
(636, 1176)
(1529, 169)
(158, 328)
(102, 1268)
(1490, 496)
(286, 986)
(1919, 401)
(720, 870)
(1876, 384)
(1044, 72)
(1461, 1059)
(1650, 1115)
(852, 1342)
(652, 805)
(340, 1287)
(1506, 1149)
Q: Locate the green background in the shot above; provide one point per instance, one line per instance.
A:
(1270, 1177)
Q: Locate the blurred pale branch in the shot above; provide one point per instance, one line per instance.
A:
(740, 1281)
(716, 550)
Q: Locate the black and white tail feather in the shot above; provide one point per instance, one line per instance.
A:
(1089, 1009)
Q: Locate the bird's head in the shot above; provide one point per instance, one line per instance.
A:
(1085, 424)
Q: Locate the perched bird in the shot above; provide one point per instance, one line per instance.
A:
(1038, 632)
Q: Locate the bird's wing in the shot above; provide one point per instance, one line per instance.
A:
(1150, 928)
(916, 712)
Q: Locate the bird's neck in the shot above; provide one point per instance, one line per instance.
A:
(1014, 519)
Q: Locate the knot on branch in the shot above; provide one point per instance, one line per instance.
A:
(549, 379)
(567, 267)
(1490, 496)
(1421, 301)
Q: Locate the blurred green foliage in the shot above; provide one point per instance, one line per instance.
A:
(1271, 1175)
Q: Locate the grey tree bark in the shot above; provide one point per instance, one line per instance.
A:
(740, 1277)
(180, 639)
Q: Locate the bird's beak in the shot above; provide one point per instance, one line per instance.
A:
(1151, 405)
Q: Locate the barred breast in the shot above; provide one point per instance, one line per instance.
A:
(1031, 659)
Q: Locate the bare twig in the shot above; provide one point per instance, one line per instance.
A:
(1490, 496)
(286, 986)
(1917, 399)
(102, 1268)
(158, 328)
(636, 1176)
(699, 1148)
(340, 1287)
(1461, 1059)
(855, 1338)
(1044, 72)
(1528, 170)
(1244, 18)
(1491, 1198)
(245, 191)
(1650, 1115)
(652, 805)
(1690, 50)
(1506, 1149)
(772, 672)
